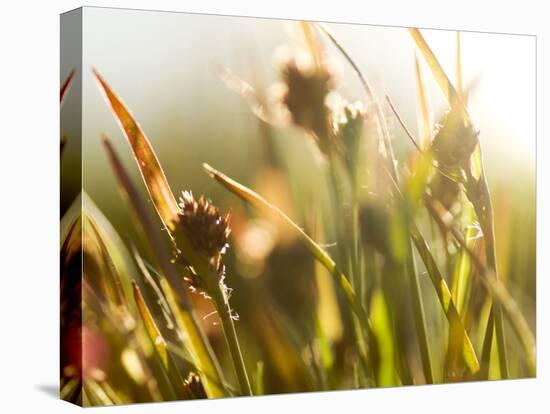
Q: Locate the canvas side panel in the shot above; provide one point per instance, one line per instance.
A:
(71, 207)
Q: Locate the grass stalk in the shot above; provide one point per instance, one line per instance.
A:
(221, 300)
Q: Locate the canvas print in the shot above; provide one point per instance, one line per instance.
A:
(257, 206)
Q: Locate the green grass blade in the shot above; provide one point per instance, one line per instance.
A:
(460, 339)
(463, 269)
(382, 330)
(456, 327)
(499, 293)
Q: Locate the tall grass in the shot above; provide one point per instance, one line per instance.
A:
(412, 288)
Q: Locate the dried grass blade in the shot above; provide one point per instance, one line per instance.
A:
(439, 74)
(65, 87)
(150, 325)
(424, 122)
(147, 161)
(255, 103)
(458, 67)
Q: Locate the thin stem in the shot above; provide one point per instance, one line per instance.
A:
(487, 344)
(484, 211)
(221, 300)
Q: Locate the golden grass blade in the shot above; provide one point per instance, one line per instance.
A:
(439, 74)
(70, 390)
(148, 163)
(119, 255)
(311, 42)
(356, 70)
(95, 395)
(248, 93)
(458, 67)
(150, 325)
(424, 122)
(403, 125)
(159, 342)
(65, 87)
(459, 336)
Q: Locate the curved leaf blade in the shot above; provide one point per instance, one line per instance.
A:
(148, 163)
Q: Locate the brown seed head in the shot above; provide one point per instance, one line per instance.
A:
(193, 387)
(306, 88)
(348, 124)
(207, 230)
(454, 141)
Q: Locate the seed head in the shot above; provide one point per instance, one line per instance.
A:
(348, 121)
(454, 141)
(193, 387)
(306, 86)
(207, 230)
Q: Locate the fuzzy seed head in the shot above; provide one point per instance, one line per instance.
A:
(454, 141)
(207, 230)
(306, 86)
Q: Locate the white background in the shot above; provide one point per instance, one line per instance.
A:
(29, 88)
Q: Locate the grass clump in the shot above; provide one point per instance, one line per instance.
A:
(402, 251)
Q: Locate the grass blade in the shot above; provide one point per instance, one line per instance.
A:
(158, 342)
(248, 93)
(382, 329)
(463, 269)
(147, 161)
(460, 338)
(65, 87)
(458, 67)
(150, 325)
(439, 74)
(424, 122)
